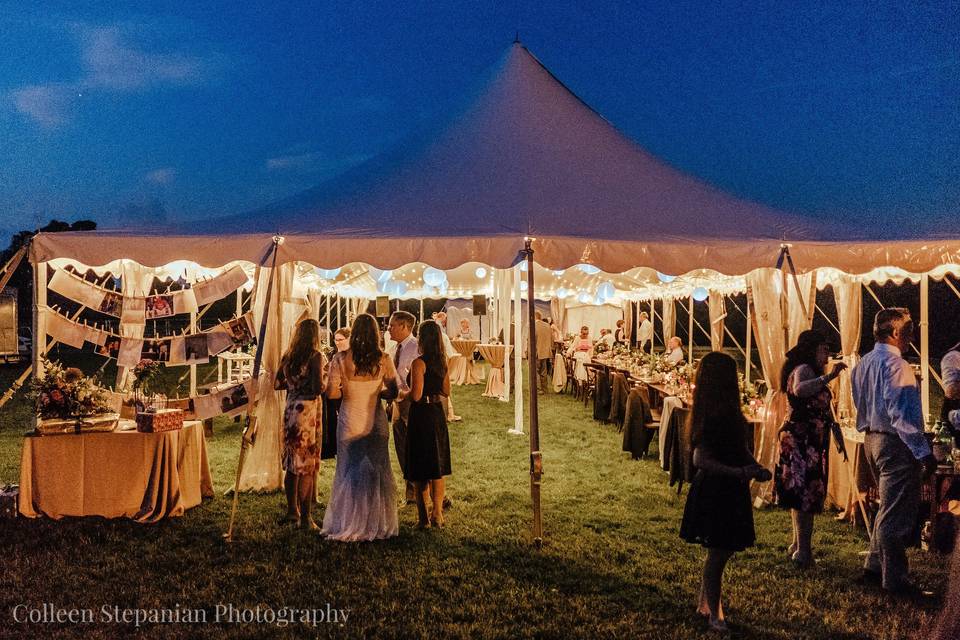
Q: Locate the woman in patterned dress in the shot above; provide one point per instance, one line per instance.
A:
(800, 481)
(301, 374)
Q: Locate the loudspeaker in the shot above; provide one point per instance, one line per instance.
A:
(480, 305)
(383, 306)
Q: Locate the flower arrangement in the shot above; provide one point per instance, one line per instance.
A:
(144, 374)
(601, 347)
(67, 393)
(750, 400)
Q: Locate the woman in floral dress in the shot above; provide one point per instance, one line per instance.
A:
(800, 481)
(301, 374)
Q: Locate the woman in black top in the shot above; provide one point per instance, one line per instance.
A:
(428, 442)
(718, 514)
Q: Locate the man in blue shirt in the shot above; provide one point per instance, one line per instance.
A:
(889, 411)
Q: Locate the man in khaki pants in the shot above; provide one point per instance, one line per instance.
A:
(544, 343)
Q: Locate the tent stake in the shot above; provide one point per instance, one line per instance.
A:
(536, 457)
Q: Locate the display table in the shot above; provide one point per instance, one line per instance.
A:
(495, 354)
(462, 369)
(120, 474)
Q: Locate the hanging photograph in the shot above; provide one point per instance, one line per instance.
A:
(240, 330)
(178, 354)
(195, 349)
(218, 340)
(134, 311)
(184, 301)
(110, 347)
(156, 350)
(186, 405)
(233, 399)
(112, 304)
(130, 349)
(159, 307)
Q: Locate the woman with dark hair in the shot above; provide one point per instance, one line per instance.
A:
(301, 374)
(363, 501)
(800, 480)
(428, 442)
(331, 408)
(718, 513)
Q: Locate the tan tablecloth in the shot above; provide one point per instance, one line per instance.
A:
(559, 373)
(495, 354)
(143, 476)
(462, 369)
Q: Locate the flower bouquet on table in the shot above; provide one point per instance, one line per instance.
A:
(152, 413)
(69, 402)
(750, 401)
(601, 348)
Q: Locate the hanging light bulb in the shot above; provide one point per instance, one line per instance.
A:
(562, 293)
(524, 286)
(523, 266)
(700, 294)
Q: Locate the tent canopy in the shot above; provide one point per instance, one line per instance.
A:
(527, 158)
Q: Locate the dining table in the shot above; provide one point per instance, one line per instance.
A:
(495, 355)
(124, 473)
(462, 368)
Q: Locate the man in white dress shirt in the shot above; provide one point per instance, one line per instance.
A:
(889, 411)
(950, 370)
(407, 350)
(674, 351)
(645, 332)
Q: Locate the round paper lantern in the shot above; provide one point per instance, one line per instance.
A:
(524, 286)
(328, 274)
(481, 272)
(700, 294)
(562, 293)
(588, 269)
(583, 298)
(434, 277)
(606, 290)
(664, 278)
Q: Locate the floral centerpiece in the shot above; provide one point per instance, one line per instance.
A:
(750, 401)
(143, 375)
(67, 393)
(601, 347)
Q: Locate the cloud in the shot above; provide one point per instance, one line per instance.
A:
(164, 175)
(299, 161)
(110, 61)
(46, 104)
(315, 162)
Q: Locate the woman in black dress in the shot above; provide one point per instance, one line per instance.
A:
(718, 514)
(428, 442)
(331, 407)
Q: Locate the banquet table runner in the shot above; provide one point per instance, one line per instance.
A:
(495, 354)
(121, 474)
(462, 369)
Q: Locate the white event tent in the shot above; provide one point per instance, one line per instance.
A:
(526, 171)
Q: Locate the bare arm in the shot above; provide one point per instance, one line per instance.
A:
(417, 371)
(334, 388)
(445, 389)
(703, 460)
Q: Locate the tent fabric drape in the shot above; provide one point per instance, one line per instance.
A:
(669, 316)
(262, 471)
(558, 311)
(799, 322)
(764, 291)
(627, 307)
(718, 309)
(848, 294)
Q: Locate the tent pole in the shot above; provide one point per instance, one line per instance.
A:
(326, 318)
(250, 428)
(39, 319)
(749, 346)
(925, 344)
(636, 326)
(536, 458)
(421, 309)
(518, 355)
(690, 330)
(653, 324)
(193, 367)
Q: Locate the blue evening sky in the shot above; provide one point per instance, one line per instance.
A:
(120, 111)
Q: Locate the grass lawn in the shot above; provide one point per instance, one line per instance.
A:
(612, 565)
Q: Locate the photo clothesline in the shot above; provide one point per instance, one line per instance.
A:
(136, 310)
(184, 349)
(229, 398)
